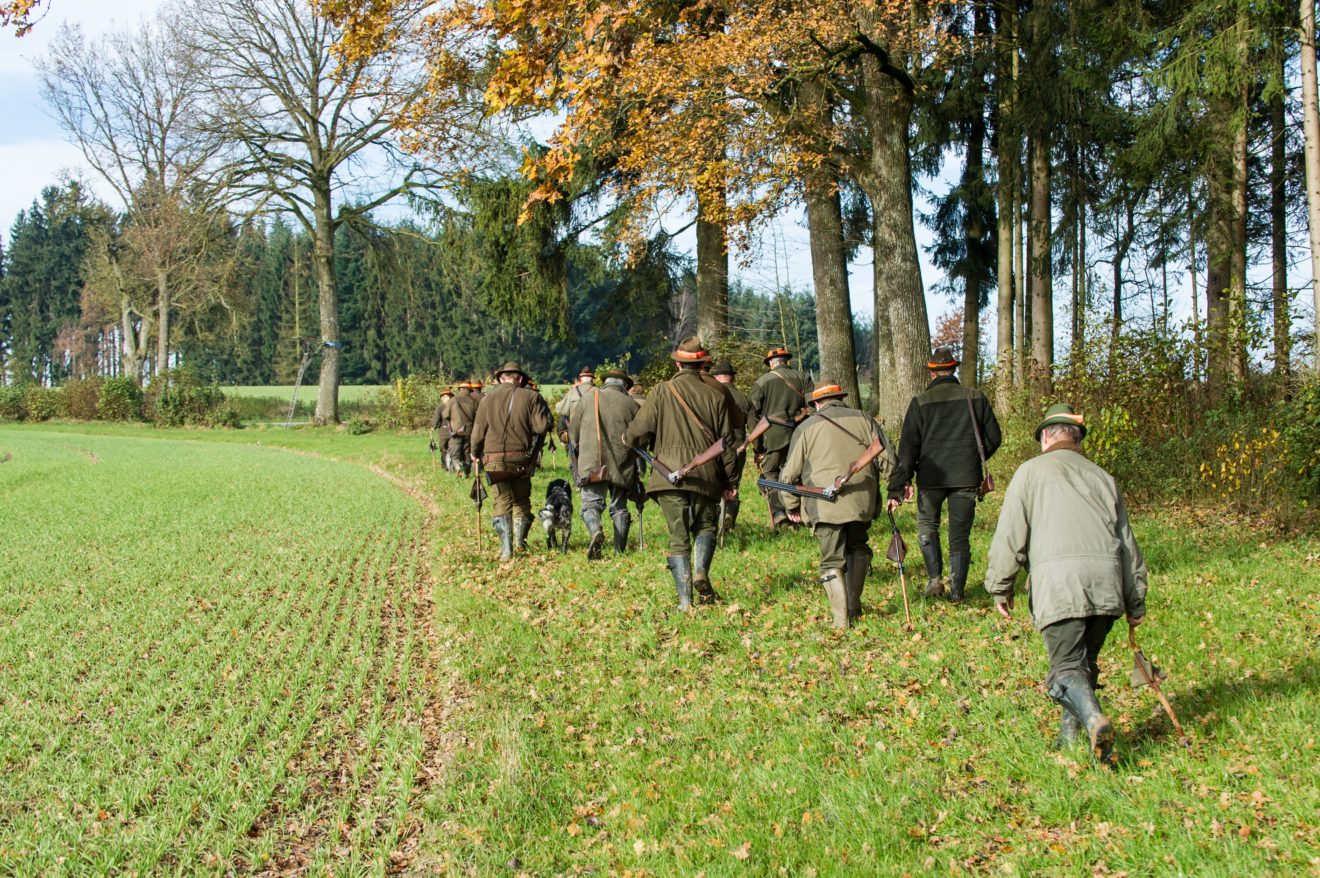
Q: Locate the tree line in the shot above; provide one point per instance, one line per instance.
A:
(1104, 157)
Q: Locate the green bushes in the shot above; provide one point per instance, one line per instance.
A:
(176, 399)
(408, 403)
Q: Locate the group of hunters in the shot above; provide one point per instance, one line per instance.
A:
(822, 463)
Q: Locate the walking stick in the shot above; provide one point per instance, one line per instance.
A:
(897, 552)
(1144, 673)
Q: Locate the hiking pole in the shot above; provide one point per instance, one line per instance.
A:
(1144, 673)
(897, 552)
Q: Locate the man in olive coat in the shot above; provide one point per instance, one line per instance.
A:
(586, 378)
(779, 395)
(462, 415)
(440, 423)
(938, 447)
(823, 448)
(724, 373)
(605, 465)
(681, 418)
(511, 424)
(1065, 519)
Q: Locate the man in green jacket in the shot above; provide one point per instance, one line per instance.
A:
(938, 447)
(724, 373)
(779, 395)
(1064, 518)
(606, 467)
(681, 418)
(462, 415)
(823, 448)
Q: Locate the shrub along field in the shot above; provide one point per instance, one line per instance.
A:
(223, 657)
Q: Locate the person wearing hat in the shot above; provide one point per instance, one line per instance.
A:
(938, 447)
(440, 422)
(1065, 519)
(822, 448)
(510, 425)
(724, 373)
(462, 415)
(586, 378)
(606, 467)
(779, 395)
(680, 419)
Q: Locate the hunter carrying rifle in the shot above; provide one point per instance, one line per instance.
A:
(510, 426)
(684, 420)
(823, 456)
(779, 397)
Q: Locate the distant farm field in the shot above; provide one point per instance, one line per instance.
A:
(221, 657)
(347, 392)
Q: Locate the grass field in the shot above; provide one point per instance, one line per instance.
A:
(347, 392)
(219, 657)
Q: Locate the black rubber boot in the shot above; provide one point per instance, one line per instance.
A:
(1073, 691)
(1068, 730)
(959, 562)
(930, 551)
(595, 533)
(857, 565)
(621, 525)
(520, 528)
(681, 568)
(703, 551)
(504, 527)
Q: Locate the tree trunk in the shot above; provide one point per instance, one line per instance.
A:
(323, 261)
(1007, 165)
(1042, 268)
(900, 302)
(162, 323)
(1237, 301)
(974, 278)
(1220, 233)
(1311, 147)
(829, 273)
(1191, 275)
(1019, 293)
(133, 352)
(712, 271)
(1279, 230)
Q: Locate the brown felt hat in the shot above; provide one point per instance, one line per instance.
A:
(586, 371)
(511, 366)
(942, 358)
(619, 374)
(777, 352)
(691, 350)
(827, 388)
(448, 391)
(723, 367)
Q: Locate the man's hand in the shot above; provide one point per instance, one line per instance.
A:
(1005, 607)
(1133, 622)
(909, 491)
(434, 447)
(730, 494)
(795, 517)
(893, 504)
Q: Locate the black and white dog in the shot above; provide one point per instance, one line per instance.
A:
(557, 514)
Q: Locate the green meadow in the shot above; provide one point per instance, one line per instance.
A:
(288, 652)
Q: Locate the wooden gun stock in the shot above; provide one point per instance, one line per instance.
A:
(874, 450)
(757, 432)
(705, 457)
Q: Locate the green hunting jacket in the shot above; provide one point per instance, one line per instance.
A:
(677, 437)
(600, 441)
(743, 405)
(463, 413)
(779, 395)
(509, 421)
(821, 452)
(937, 444)
(1064, 519)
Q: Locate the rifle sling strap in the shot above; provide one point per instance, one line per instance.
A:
(710, 437)
(976, 430)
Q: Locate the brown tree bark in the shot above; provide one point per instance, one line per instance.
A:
(829, 273)
(1237, 302)
(1042, 267)
(1008, 169)
(712, 270)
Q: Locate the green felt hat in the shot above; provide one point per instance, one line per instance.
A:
(1061, 413)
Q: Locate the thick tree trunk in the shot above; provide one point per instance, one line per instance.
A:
(133, 352)
(1007, 166)
(900, 302)
(1311, 148)
(1042, 268)
(323, 263)
(829, 272)
(1279, 230)
(712, 271)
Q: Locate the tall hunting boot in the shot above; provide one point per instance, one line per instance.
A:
(858, 564)
(1073, 691)
(731, 508)
(520, 528)
(837, 591)
(595, 533)
(1068, 730)
(504, 527)
(621, 525)
(959, 562)
(778, 517)
(930, 551)
(703, 550)
(681, 568)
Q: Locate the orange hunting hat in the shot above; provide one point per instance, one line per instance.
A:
(777, 352)
(691, 350)
(827, 388)
(942, 358)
